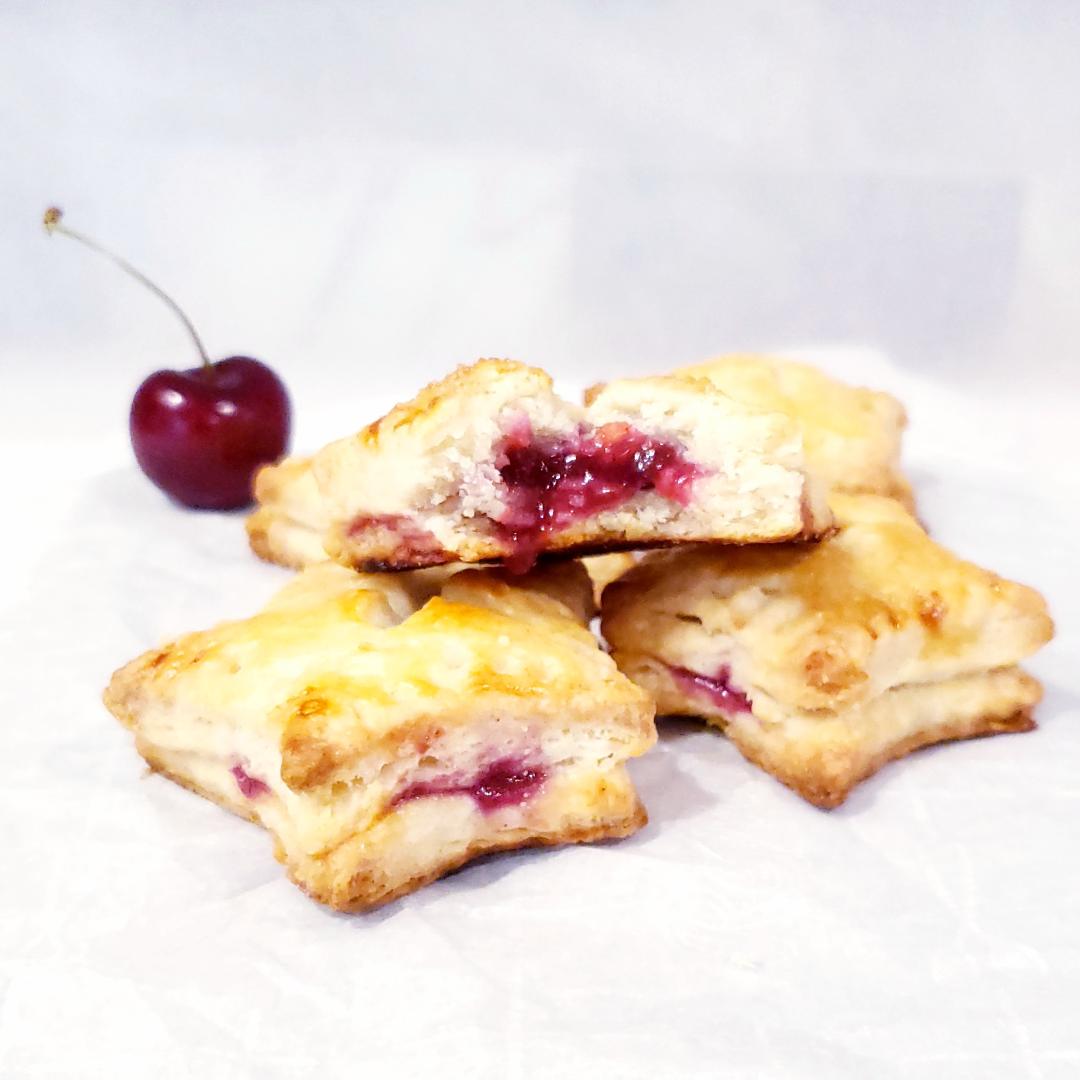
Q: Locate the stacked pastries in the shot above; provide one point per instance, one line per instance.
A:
(388, 726)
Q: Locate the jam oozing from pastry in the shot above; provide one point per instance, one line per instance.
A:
(506, 782)
(718, 688)
(251, 787)
(552, 483)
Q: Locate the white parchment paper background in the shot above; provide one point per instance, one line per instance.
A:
(364, 195)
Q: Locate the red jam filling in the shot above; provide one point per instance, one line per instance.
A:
(506, 782)
(251, 787)
(552, 483)
(718, 688)
(408, 544)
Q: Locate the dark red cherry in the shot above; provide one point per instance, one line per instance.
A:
(200, 434)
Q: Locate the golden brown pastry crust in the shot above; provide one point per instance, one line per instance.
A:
(851, 652)
(826, 782)
(319, 715)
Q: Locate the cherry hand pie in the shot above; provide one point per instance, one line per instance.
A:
(387, 729)
(824, 662)
(489, 465)
(851, 435)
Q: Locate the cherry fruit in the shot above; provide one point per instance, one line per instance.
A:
(200, 434)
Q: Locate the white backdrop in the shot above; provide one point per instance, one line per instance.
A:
(364, 195)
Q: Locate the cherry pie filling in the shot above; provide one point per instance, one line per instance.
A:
(251, 787)
(718, 688)
(506, 782)
(551, 483)
(407, 544)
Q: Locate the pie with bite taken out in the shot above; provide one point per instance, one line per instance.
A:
(489, 465)
(285, 528)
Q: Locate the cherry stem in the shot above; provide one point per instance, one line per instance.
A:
(54, 224)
